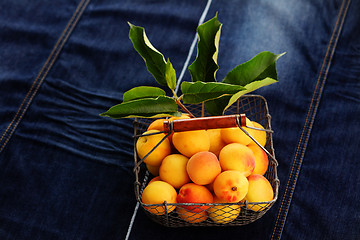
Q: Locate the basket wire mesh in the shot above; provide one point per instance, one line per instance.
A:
(227, 214)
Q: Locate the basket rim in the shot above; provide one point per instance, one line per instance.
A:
(275, 182)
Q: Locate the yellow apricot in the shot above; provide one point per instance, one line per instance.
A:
(236, 135)
(145, 144)
(236, 156)
(173, 170)
(231, 186)
(261, 159)
(260, 190)
(224, 213)
(203, 167)
(191, 216)
(260, 136)
(216, 141)
(157, 124)
(190, 142)
(157, 192)
(154, 170)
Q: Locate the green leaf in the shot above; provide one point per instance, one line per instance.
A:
(197, 92)
(263, 65)
(154, 60)
(142, 92)
(217, 107)
(205, 66)
(161, 106)
(249, 88)
(170, 75)
(258, 72)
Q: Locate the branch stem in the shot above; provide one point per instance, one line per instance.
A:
(184, 108)
(181, 105)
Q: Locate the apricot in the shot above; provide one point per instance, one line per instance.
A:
(154, 170)
(210, 187)
(260, 136)
(157, 124)
(224, 213)
(216, 141)
(190, 216)
(183, 116)
(145, 144)
(203, 167)
(231, 186)
(194, 193)
(190, 142)
(157, 178)
(173, 170)
(157, 192)
(260, 190)
(236, 135)
(236, 156)
(261, 159)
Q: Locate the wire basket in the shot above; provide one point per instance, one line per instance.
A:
(228, 214)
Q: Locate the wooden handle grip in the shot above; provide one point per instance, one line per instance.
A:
(182, 125)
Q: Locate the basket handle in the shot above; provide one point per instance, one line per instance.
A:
(201, 123)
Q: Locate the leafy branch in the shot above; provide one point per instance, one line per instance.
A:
(151, 102)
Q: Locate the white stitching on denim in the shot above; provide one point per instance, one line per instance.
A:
(191, 50)
(192, 47)
(278, 228)
(42, 74)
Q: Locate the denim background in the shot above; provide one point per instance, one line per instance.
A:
(66, 172)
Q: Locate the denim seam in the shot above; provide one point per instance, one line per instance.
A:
(43, 73)
(311, 114)
(192, 47)
(186, 63)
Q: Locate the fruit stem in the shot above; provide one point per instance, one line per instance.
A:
(234, 189)
(178, 102)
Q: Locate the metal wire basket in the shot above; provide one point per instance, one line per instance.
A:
(255, 108)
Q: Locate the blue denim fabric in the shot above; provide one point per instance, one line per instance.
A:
(66, 172)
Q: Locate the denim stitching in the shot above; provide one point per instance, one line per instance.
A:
(283, 210)
(192, 47)
(201, 20)
(43, 73)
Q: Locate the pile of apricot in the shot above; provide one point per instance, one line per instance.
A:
(215, 168)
